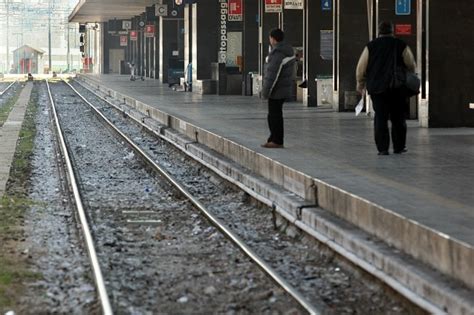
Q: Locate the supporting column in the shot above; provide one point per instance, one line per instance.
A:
(319, 54)
(292, 25)
(352, 34)
(205, 30)
(156, 50)
(250, 41)
(187, 35)
(451, 96)
(150, 20)
(170, 52)
(141, 36)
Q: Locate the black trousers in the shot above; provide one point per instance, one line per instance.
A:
(391, 105)
(275, 120)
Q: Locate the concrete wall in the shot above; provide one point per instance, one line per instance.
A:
(111, 42)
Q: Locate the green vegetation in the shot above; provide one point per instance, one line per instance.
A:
(13, 263)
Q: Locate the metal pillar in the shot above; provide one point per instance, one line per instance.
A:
(49, 36)
(8, 36)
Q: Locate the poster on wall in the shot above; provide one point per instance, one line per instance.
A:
(234, 49)
(294, 4)
(273, 6)
(235, 11)
(327, 44)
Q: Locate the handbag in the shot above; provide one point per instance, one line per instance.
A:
(412, 84)
(404, 80)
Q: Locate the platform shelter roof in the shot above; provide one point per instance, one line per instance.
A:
(95, 11)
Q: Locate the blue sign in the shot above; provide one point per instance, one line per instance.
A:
(402, 7)
(326, 5)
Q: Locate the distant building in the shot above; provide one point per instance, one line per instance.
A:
(27, 59)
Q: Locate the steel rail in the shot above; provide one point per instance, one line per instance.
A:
(8, 87)
(288, 288)
(99, 280)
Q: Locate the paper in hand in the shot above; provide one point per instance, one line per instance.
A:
(360, 106)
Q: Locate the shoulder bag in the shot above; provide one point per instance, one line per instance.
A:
(403, 79)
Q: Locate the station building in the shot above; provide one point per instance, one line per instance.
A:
(222, 45)
(27, 59)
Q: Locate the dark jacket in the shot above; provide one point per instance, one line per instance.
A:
(376, 64)
(279, 86)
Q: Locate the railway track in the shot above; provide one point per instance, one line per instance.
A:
(5, 87)
(101, 286)
(300, 272)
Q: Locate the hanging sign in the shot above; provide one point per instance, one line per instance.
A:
(402, 29)
(126, 25)
(161, 10)
(273, 6)
(150, 31)
(402, 7)
(133, 35)
(294, 4)
(235, 10)
(326, 5)
(123, 41)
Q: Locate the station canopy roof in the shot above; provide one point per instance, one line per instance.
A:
(92, 11)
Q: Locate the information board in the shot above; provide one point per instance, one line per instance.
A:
(326, 5)
(235, 10)
(273, 6)
(402, 7)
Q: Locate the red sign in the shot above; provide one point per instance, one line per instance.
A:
(235, 10)
(133, 35)
(402, 29)
(150, 31)
(273, 6)
(123, 41)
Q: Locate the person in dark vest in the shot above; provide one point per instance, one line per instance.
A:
(279, 75)
(375, 72)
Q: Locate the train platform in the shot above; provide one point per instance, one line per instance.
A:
(421, 201)
(9, 133)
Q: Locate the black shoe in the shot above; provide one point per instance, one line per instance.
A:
(383, 153)
(400, 151)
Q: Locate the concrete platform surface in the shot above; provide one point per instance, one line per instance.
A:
(431, 185)
(9, 133)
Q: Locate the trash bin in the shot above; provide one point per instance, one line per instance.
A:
(324, 90)
(256, 84)
(249, 84)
